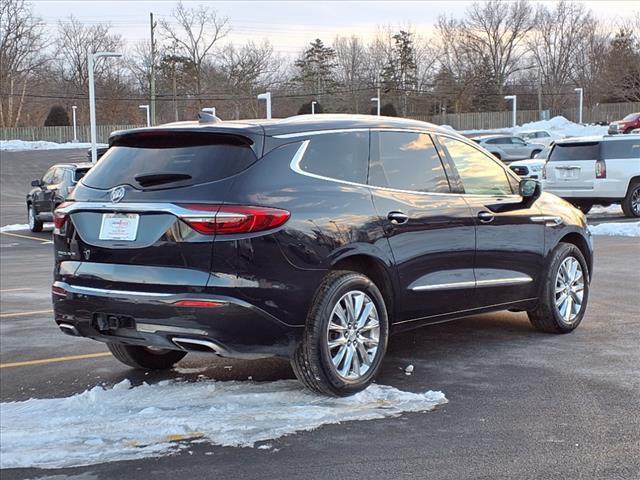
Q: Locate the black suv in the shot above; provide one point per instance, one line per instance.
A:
(51, 190)
(312, 238)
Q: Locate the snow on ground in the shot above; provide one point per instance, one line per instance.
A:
(17, 227)
(631, 229)
(18, 145)
(615, 210)
(123, 423)
(559, 126)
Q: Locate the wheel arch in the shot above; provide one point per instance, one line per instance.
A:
(582, 244)
(374, 268)
(632, 181)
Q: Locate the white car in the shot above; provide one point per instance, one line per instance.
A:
(531, 168)
(543, 137)
(601, 170)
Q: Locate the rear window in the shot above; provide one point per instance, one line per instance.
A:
(621, 149)
(79, 173)
(575, 151)
(167, 165)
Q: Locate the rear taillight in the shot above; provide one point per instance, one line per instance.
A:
(199, 303)
(233, 219)
(59, 291)
(59, 217)
(601, 169)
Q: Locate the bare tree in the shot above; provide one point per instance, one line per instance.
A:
(495, 34)
(555, 43)
(21, 45)
(74, 41)
(350, 62)
(195, 35)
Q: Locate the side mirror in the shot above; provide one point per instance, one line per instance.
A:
(36, 183)
(530, 190)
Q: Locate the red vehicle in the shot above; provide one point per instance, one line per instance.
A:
(625, 125)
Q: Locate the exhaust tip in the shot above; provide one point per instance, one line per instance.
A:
(198, 345)
(69, 329)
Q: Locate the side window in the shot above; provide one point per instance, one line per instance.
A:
(479, 173)
(496, 141)
(543, 135)
(406, 161)
(517, 141)
(47, 178)
(622, 149)
(343, 156)
(58, 176)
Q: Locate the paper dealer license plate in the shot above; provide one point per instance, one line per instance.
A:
(119, 226)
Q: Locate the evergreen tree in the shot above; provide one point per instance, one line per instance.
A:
(57, 117)
(400, 73)
(315, 68)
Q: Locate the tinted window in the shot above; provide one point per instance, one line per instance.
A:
(406, 161)
(342, 156)
(575, 151)
(48, 177)
(621, 149)
(168, 167)
(479, 173)
(517, 141)
(79, 173)
(498, 141)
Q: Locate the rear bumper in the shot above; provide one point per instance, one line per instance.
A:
(605, 188)
(229, 327)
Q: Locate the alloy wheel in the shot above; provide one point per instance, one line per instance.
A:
(635, 201)
(569, 289)
(353, 335)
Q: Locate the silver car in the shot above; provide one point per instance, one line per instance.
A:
(508, 148)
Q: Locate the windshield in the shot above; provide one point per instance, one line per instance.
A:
(631, 117)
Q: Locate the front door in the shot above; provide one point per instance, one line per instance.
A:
(509, 261)
(430, 230)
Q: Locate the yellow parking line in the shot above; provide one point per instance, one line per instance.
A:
(28, 237)
(24, 314)
(45, 361)
(21, 289)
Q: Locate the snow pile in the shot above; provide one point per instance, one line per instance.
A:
(614, 210)
(19, 145)
(123, 423)
(558, 126)
(17, 227)
(630, 229)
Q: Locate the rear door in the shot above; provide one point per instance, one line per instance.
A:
(572, 166)
(430, 230)
(138, 205)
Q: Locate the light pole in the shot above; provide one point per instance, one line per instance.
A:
(580, 92)
(514, 104)
(313, 108)
(267, 98)
(377, 100)
(75, 130)
(146, 107)
(91, 59)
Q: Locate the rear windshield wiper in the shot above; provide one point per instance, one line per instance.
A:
(153, 179)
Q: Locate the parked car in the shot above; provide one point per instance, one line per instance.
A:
(531, 168)
(311, 238)
(51, 190)
(508, 148)
(626, 125)
(601, 170)
(542, 137)
(101, 149)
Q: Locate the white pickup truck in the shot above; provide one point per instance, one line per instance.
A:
(599, 170)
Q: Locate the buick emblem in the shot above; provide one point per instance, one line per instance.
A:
(117, 194)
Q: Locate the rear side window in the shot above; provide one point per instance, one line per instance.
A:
(575, 151)
(623, 149)
(342, 156)
(171, 164)
(406, 161)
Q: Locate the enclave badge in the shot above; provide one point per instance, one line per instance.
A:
(117, 194)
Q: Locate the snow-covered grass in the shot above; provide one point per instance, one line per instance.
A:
(621, 229)
(122, 423)
(19, 145)
(559, 126)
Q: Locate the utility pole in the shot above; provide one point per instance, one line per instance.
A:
(152, 86)
(539, 94)
(580, 92)
(514, 105)
(377, 100)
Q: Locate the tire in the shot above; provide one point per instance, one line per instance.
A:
(548, 316)
(631, 203)
(313, 360)
(534, 153)
(497, 155)
(145, 358)
(35, 225)
(584, 207)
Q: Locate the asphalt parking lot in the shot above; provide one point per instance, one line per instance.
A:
(522, 404)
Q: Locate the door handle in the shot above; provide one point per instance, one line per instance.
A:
(398, 218)
(486, 217)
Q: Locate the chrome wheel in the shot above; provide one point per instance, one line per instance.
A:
(353, 335)
(569, 289)
(635, 202)
(32, 218)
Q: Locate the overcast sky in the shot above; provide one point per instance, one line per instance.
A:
(289, 25)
